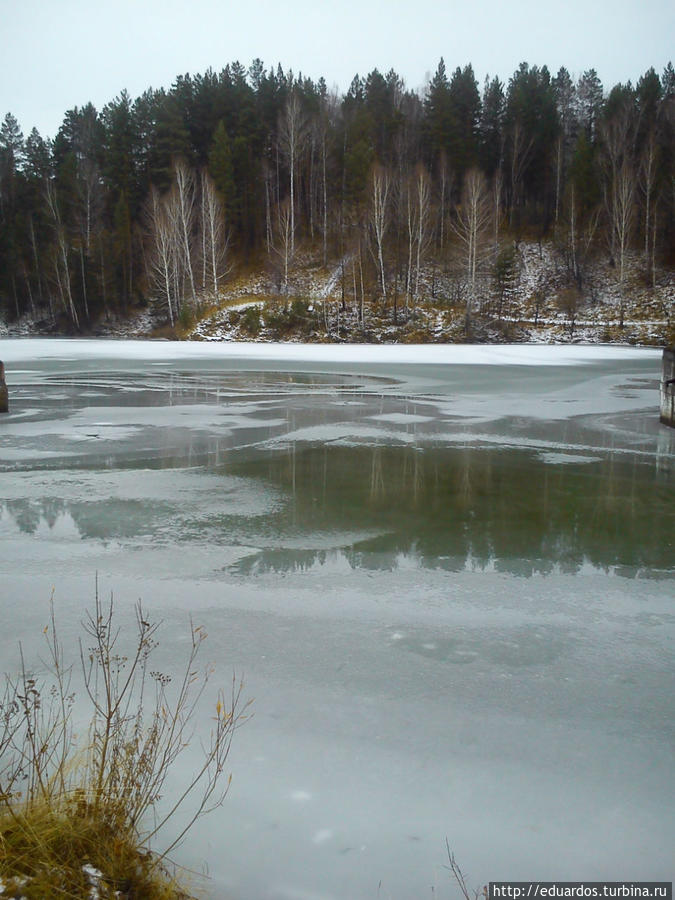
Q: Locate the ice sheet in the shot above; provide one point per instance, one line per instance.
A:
(445, 574)
(68, 350)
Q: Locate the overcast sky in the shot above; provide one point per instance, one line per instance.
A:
(57, 54)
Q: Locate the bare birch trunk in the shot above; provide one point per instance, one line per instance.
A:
(185, 210)
(472, 221)
(61, 258)
(648, 181)
(380, 184)
(423, 196)
(325, 200)
(292, 135)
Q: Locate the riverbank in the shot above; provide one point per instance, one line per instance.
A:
(327, 305)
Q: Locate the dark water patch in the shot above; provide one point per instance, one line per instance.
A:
(490, 508)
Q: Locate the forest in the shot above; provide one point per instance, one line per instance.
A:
(159, 198)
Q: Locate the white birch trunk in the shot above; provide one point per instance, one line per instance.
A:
(185, 210)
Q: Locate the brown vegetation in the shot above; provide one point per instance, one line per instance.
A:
(85, 819)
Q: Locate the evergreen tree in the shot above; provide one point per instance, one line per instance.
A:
(11, 145)
(585, 176)
(221, 168)
(73, 212)
(491, 149)
(171, 140)
(437, 114)
(11, 158)
(565, 98)
(464, 109)
(531, 126)
(590, 101)
(382, 101)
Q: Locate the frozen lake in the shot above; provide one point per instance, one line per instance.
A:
(446, 575)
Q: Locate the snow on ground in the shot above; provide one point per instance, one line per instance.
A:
(595, 314)
(540, 307)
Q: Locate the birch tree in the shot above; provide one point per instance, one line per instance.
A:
(444, 179)
(648, 176)
(325, 124)
(410, 209)
(423, 196)
(61, 252)
(578, 232)
(283, 240)
(418, 220)
(623, 218)
(184, 211)
(470, 225)
(619, 191)
(497, 214)
(214, 236)
(380, 184)
(163, 250)
(617, 141)
(292, 137)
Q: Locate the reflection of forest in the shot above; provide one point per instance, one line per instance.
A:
(428, 507)
(29, 516)
(112, 518)
(442, 507)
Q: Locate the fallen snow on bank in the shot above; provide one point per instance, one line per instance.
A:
(12, 351)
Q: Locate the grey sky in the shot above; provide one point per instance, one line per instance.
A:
(57, 54)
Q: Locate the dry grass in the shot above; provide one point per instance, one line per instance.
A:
(66, 849)
(78, 821)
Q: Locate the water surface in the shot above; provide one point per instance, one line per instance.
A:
(448, 583)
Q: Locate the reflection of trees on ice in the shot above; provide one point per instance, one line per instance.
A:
(377, 490)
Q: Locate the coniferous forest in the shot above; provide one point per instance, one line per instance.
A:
(155, 199)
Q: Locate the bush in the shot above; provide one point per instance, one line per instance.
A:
(296, 315)
(276, 319)
(250, 320)
(299, 311)
(80, 820)
(186, 317)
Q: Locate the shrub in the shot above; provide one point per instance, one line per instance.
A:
(250, 320)
(80, 820)
(186, 317)
(296, 315)
(275, 319)
(299, 311)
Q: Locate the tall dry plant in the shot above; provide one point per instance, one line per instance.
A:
(113, 788)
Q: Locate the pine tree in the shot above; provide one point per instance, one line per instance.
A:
(464, 109)
(11, 159)
(590, 101)
(221, 169)
(491, 150)
(437, 114)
